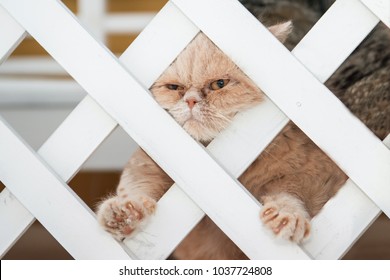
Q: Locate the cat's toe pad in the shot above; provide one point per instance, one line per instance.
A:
(286, 220)
(122, 217)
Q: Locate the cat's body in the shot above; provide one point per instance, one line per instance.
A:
(362, 82)
(203, 90)
(292, 178)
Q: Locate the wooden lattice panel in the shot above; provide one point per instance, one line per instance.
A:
(118, 95)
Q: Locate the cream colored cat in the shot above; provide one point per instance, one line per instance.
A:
(203, 90)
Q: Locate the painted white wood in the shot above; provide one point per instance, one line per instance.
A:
(248, 126)
(10, 36)
(153, 57)
(332, 236)
(81, 58)
(127, 22)
(31, 65)
(235, 149)
(381, 8)
(13, 214)
(63, 151)
(39, 92)
(52, 201)
(342, 221)
(14, 219)
(239, 139)
(244, 139)
(366, 161)
(345, 23)
(10, 39)
(155, 49)
(92, 13)
(87, 120)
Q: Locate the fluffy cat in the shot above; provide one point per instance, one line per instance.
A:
(203, 90)
(362, 82)
(303, 13)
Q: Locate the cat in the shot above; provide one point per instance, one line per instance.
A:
(203, 90)
(303, 14)
(362, 82)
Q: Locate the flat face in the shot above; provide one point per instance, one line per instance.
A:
(203, 89)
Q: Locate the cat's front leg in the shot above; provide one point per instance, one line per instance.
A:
(286, 216)
(122, 216)
(141, 185)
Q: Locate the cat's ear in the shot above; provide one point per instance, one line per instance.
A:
(281, 31)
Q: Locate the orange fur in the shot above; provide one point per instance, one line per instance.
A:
(203, 90)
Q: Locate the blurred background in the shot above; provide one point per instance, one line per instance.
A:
(36, 95)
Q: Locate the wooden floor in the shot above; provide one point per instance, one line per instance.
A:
(37, 243)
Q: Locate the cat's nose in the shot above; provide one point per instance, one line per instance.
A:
(192, 96)
(191, 102)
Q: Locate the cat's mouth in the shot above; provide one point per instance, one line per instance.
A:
(191, 115)
(191, 121)
(202, 123)
(204, 129)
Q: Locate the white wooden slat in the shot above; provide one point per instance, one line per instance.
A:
(156, 240)
(247, 136)
(131, 56)
(381, 8)
(92, 14)
(39, 91)
(10, 36)
(122, 109)
(91, 125)
(20, 218)
(342, 221)
(343, 24)
(31, 66)
(63, 151)
(127, 22)
(13, 214)
(14, 218)
(145, 58)
(66, 153)
(332, 237)
(81, 58)
(156, 235)
(366, 161)
(51, 200)
(170, 214)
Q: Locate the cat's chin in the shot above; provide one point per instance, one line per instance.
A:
(199, 131)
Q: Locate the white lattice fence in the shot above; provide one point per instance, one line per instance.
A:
(118, 94)
(16, 87)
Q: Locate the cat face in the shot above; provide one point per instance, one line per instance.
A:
(203, 89)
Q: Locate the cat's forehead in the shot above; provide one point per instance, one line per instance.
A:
(199, 61)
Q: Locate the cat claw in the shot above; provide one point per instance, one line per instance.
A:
(287, 221)
(122, 217)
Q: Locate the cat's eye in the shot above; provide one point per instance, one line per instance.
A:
(218, 84)
(174, 87)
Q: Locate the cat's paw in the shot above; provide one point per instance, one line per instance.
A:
(286, 216)
(121, 217)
